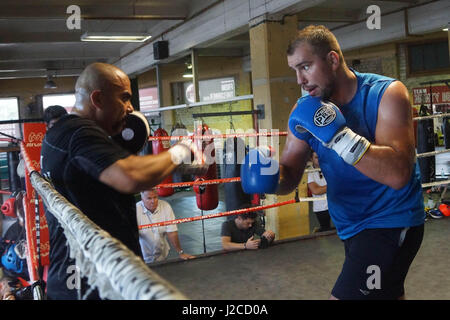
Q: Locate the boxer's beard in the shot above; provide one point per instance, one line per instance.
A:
(328, 90)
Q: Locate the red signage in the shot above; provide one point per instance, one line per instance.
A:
(148, 101)
(441, 94)
(33, 134)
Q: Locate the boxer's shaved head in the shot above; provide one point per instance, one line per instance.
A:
(103, 94)
(96, 76)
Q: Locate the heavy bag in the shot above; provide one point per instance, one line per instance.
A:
(14, 180)
(234, 153)
(207, 196)
(425, 143)
(159, 146)
(446, 131)
(179, 130)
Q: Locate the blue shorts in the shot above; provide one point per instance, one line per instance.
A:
(376, 263)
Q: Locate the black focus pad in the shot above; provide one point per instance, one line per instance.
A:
(135, 133)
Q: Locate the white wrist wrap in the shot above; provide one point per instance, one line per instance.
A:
(349, 146)
(180, 154)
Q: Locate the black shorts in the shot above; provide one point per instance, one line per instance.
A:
(376, 263)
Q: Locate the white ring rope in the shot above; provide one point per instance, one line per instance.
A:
(107, 263)
(431, 153)
(436, 183)
(440, 115)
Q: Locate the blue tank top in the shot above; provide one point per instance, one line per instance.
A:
(355, 201)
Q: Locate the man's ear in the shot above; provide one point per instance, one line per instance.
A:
(333, 59)
(96, 98)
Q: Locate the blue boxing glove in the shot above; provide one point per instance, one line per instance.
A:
(325, 122)
(259, 172)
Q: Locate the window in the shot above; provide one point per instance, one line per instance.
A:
(9, 110)
(65, 100)
(425, 57)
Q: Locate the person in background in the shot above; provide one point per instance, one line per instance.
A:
(318, 187)
(241, 232)
(153, 241)
(53, 114)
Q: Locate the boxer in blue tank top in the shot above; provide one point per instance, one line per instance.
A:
(361, 127)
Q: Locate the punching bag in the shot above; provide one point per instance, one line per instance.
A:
(207, 196)
(159, 146)
(14, 180)
(446, 131)
(179, 130)
(234, 153)
(425, 143)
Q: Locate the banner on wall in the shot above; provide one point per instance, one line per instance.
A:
(148, 101)
(440, 95)
(37, 236)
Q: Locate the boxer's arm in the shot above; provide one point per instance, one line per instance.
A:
(293, 161)
(391, 158)
(135, 173)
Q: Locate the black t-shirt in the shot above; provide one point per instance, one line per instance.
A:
(74, 153)
(229, 229)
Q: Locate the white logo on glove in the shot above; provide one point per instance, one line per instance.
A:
(324, 115)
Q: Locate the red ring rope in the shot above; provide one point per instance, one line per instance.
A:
(216, 136)
(197, 183)
(216, 215)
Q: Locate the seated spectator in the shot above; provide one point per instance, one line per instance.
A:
(242, 232)
(153, 241)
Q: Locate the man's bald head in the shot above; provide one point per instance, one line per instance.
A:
(96, 76)
(103, 94)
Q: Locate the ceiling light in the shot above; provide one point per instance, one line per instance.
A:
(50, 84)
(445, 29)
(188, 71)
(118, 37)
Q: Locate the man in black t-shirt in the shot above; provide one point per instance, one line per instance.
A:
(97, 175)
(240, 232)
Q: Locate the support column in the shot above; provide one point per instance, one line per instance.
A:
(135, 94)
(275, 87)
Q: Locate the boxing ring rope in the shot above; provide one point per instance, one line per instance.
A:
(220, 214)
(105, 261)
(256, 134)
(441, 115)
(220, 136)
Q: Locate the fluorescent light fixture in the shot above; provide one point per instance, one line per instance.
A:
(22, 70)
(188, 71)
(117, 37)
(445, 29)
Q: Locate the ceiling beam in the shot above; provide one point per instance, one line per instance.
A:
(114, 11)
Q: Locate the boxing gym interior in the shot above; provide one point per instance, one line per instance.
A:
(219, 68)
